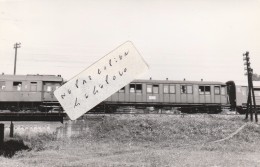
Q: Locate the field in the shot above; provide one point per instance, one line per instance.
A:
(148, 140)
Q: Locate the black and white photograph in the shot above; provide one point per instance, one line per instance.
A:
(129, 83)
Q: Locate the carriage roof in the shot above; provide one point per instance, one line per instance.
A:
(37, 77)
(179, 82)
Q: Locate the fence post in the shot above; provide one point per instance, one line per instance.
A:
(11, 129)
(2, 132)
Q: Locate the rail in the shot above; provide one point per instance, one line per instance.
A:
(20, 116)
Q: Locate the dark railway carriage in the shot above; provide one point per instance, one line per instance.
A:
(238, 94)
(189, 96)
(28, 92)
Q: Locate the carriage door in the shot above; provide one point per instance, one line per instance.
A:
(223, 92)
(186, 94)
(204, 94)
(217, 96)
(48, 89)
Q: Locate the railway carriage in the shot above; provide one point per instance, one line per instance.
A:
(238, 94)
(189, 96)
(35, 92)
(28, 92)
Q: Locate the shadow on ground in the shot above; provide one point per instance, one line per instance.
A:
(9, 148)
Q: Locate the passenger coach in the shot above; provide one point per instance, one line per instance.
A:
(189, 96)
(28, 92)
(238, 95)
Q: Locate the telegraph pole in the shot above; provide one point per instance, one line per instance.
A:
(251, 93)
(16, 46)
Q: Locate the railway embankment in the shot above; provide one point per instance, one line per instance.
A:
(148, 140)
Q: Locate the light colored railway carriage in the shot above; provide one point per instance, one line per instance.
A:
(189, 95)
(21, 92)
(238, 94)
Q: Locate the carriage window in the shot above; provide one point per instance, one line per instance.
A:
(183, 89)
(207, 90)
(204, 90)
(155, 88)
(257, 91)
(49, 88)
(165, 89)
(33, 86)
(149, 88)
(2, 85)
(172, 88)
(189, 89)
(223, 90)
(201, 90)
(132, 88)
(217, 90)
(138, 88)
(17, 86)
(122, 90)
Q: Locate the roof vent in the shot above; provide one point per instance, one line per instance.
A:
(184, 79)
(3, 73)
(167, 79)
(150, 78)
(201, 80)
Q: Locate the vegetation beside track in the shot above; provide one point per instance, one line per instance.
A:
(148, 140)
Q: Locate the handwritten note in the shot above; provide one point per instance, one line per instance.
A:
(101, 80)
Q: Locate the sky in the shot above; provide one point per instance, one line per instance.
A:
(191, 39)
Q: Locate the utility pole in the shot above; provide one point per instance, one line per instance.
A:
(251, 93)
(16, 46)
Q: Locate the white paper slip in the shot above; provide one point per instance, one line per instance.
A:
(101, 80)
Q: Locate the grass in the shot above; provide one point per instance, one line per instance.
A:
(164, 128)
(147, 140)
